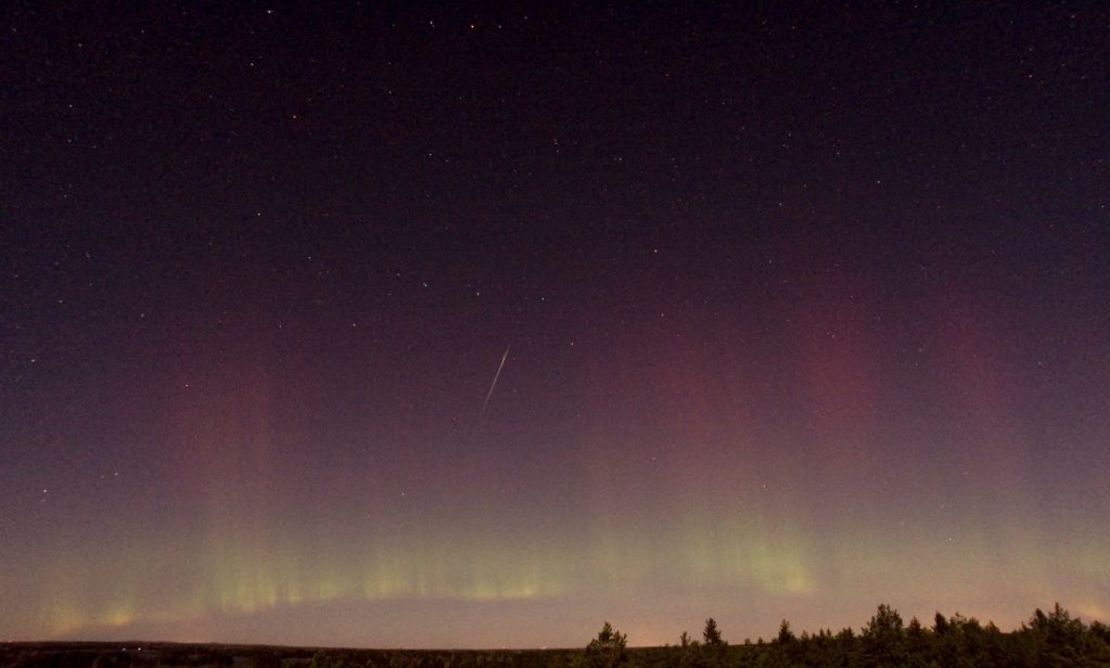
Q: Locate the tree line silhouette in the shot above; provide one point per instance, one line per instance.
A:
(1046, 640)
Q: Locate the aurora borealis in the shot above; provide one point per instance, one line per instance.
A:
(806, 310)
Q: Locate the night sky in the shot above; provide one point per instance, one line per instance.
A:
(805, 309)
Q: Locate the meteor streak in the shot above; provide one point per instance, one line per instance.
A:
(494, 383)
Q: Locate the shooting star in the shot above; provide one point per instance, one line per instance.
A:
(494, 383)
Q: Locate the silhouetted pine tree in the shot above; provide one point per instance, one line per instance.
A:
(884, 638)
(940, 625)
(785, 635)
(607, 649)
(712, 634)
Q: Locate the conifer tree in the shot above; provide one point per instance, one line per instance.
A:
(712, 634)
(785, 634)
(607, 649)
